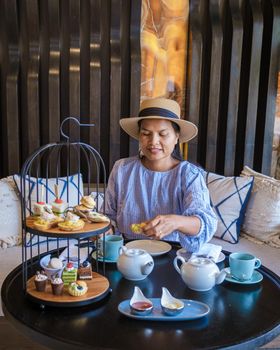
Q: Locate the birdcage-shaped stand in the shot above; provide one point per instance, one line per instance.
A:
(57, 171)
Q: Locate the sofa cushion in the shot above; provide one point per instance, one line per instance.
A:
(31, 192)
(10, 213)
(229, 197)
(262, 218)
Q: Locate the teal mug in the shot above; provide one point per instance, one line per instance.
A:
(242, 265)
(109, 247)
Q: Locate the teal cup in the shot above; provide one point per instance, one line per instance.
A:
(109, 247)
(242, 265)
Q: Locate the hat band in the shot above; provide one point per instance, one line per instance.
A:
(157, 112)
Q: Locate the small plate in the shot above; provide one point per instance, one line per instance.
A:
(192, 310)
(100, 258)
(186, 255)
(256, 278)
(153, 247)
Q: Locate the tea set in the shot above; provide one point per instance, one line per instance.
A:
(199, 273)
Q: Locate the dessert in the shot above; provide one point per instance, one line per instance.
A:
(40, 281)
(137, 228)
(72, 222)
(97, 217)
(77, 288)
(85, 271)
(57, 285)
(46, 221)
(58, 206)
(38, 208)
(88, 202)
(69, 274)
(55, 263)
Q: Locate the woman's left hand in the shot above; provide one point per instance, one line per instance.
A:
(160, 226)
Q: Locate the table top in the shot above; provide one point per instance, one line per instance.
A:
(240, 315)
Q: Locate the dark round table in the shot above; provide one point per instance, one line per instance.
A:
(241, 316)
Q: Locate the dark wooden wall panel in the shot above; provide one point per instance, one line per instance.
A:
(82, 58)
(232, 83)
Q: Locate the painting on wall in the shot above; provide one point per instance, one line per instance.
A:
(164, 33)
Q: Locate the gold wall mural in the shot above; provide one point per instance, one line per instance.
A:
(163, 49)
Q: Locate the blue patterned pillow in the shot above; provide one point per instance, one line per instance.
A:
(229, 197)
(75, 183)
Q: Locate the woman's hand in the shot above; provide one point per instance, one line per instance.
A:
(160, 226)
(163, 225)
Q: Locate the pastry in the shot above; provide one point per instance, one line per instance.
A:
(85, 271)
(69, 274)
(40, 281)
(46, 221)
(38, 208)
(77, 288)
(88, 202)
(137, 228)
(97, 217)
(72, 222)
(57, 285)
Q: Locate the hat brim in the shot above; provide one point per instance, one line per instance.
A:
(187, 129)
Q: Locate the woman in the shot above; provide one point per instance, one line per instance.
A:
(158, 187)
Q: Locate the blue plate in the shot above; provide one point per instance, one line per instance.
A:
(192, 310)
(100, 258)
(256, 278)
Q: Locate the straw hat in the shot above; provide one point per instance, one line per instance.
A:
(159, 108)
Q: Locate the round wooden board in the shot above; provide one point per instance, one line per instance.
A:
(89, 227)
(97, 286)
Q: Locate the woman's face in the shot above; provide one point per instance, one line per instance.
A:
(157, 139)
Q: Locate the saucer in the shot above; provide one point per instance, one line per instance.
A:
(153, 247)
(256, 278)
(186, 255)
(100, 258)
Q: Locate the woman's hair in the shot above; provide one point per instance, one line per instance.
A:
(177, 151)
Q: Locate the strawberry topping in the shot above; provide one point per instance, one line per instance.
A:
(58, 200)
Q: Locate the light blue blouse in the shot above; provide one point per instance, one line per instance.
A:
(135, 194)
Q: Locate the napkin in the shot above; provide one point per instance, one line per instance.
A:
(209, 250)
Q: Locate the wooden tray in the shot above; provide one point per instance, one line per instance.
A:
(89, 229)
(98, 288)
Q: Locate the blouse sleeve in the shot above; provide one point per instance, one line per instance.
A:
(196, 202)
(111, 196)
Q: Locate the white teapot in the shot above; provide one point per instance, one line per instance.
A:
(134, 264)
(200, 274)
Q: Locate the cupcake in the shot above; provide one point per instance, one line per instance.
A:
(57, 285)
(40, 281)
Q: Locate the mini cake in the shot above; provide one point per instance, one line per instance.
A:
(72, 222)
(69, 274)
(59, 206)
(88, 202)
(38, 208)
(40, 281)
(57, 285)
(77, 288)
(85, 271)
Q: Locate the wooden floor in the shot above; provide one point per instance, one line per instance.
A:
(11, 339)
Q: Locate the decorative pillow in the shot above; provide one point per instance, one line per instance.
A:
(10, 213)
(229, 197)
(262, 218)
(49, 194)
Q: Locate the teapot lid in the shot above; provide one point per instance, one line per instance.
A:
(135, 252)
(201, 261)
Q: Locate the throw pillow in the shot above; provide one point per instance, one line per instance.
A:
(229, 197)
(32, 194)
(10, 213)
(262, 218)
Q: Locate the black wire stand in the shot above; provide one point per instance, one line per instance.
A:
(52, 162)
